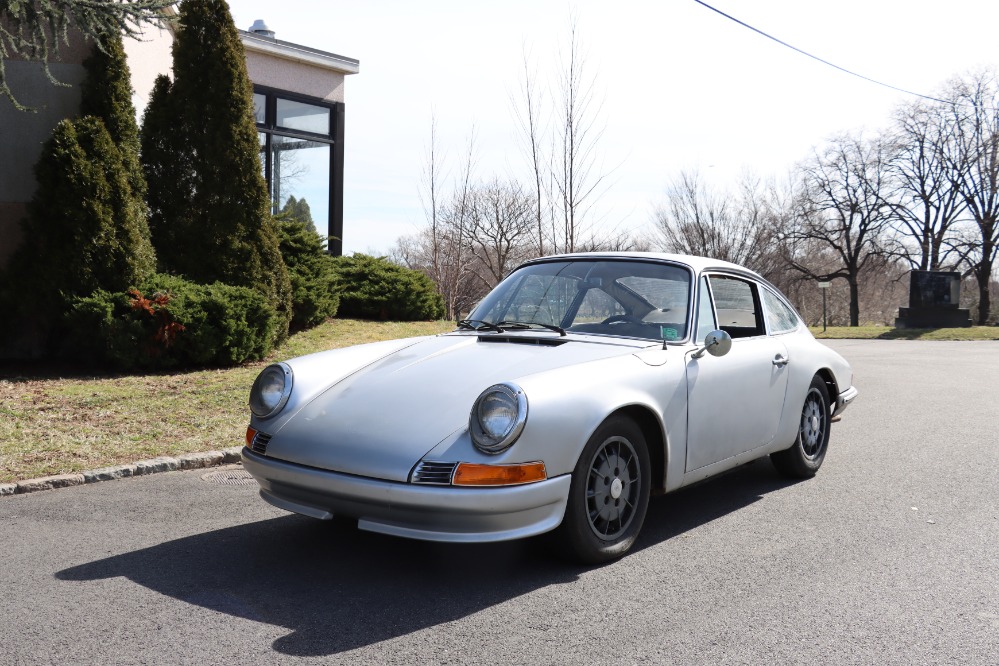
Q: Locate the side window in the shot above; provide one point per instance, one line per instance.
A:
(780, 318)
(738, 307)
(705, 312)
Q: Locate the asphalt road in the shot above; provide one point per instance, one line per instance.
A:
(890, 555)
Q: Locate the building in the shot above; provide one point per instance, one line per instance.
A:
(300, 109)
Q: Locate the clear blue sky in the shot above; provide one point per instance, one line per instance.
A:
(682, 87)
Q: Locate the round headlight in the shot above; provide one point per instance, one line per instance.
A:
(271, 390)
(498, 417)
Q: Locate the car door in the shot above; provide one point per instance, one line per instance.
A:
(734, 402)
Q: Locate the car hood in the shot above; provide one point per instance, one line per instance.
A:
(381, 420)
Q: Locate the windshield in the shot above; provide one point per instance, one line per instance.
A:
(634, 299)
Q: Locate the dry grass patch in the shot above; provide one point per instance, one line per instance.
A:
(70, 424)
(889, 333)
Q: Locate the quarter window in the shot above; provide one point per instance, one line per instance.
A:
(705, 313)
(780, 318)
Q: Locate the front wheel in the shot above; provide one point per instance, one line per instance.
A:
(805, 456)
(608, 495)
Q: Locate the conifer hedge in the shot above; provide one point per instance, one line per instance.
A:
(375, 288)
(168, 322)
(315, 290)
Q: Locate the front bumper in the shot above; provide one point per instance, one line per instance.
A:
(431, 513)
(844, 399)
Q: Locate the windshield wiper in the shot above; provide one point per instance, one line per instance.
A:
(529, 324)
(478, 325)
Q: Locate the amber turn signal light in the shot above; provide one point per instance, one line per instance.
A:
(250, 434)
(471, 474)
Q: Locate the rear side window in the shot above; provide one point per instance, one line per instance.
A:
(780, 318)
(737, 306)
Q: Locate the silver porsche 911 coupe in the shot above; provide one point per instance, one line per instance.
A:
(578, 387)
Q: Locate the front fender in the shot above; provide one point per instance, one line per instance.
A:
(567, 405)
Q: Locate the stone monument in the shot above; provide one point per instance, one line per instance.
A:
(934, 302)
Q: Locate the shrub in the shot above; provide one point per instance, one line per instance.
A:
(315, 295)
(169, 322)
(375, 288)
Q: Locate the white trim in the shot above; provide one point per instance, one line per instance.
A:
(294, 52)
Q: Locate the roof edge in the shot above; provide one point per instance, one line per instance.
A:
(299, 53)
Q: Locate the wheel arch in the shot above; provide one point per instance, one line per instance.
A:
(826, 375)
(655, 439)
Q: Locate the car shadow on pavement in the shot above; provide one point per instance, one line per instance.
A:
(339, 589)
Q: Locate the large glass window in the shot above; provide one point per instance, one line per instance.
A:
(300, 116)
(300, 179)
(297, 149)
(260, 108)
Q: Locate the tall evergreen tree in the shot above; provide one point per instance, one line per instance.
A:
(86, 229)
(298, 209)
(106, 93)
(169, 175)
(217, 205)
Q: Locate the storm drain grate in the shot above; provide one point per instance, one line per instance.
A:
(230, 477)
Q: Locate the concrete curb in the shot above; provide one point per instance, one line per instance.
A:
(140, 468)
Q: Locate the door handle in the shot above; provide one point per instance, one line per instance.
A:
(780, 360)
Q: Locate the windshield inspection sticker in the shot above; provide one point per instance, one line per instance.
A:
(668, 333)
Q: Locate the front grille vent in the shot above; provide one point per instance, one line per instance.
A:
(437, 473)
(517, 340)
(259, 443)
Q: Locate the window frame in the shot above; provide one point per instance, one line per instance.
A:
(573, 307)
(754, 287)
(334, 139)
(703, 277)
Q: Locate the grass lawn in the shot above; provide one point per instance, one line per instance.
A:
(889, 333)
(57, 425)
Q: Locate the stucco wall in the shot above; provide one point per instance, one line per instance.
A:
(147, 59)
(23, 133)
(303, 78)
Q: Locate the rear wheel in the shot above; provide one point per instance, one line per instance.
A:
(609, 494)
(805, 456)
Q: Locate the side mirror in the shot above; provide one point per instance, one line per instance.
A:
(716, 343)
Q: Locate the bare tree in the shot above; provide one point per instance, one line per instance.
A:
(697, 220)
(572, 161)
(530, 121)
(975, 109)
(926, 164)
(442, 249)
(563, 154)
(502, 221)
(842, 211)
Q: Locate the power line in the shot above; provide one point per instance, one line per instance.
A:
(814, 57)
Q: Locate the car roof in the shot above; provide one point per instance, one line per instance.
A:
(698, 264)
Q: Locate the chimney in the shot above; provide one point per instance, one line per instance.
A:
(260, 28)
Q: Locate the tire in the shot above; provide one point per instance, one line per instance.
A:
(805, 456)
(608, 495)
